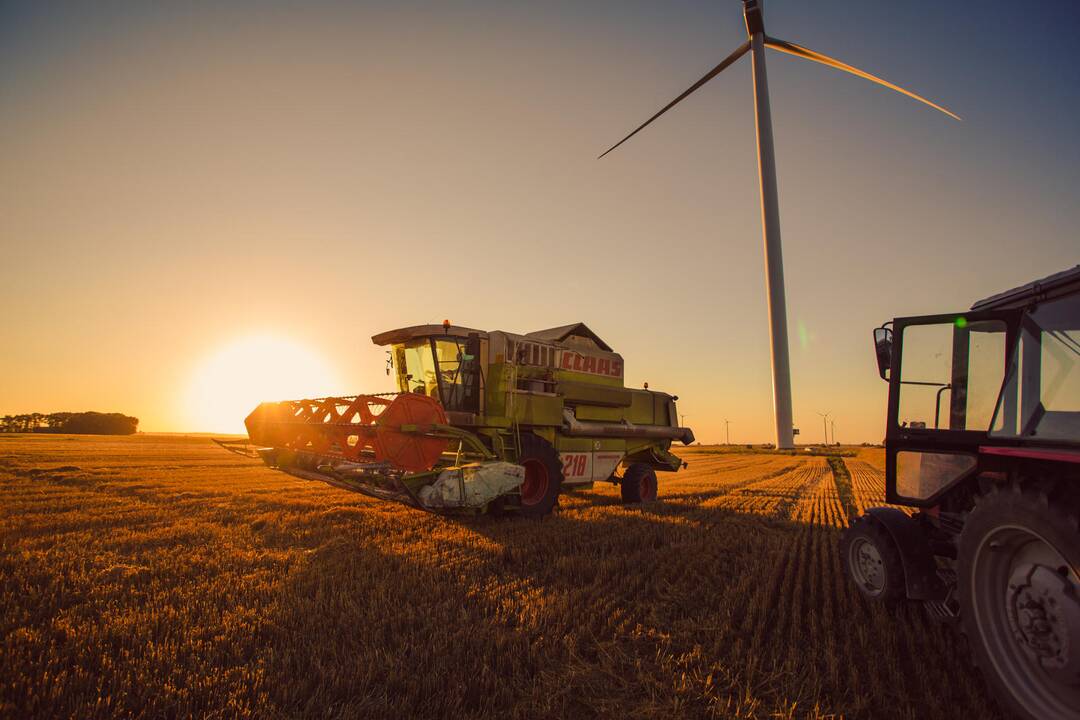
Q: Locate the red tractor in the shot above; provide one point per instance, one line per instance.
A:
(983, 441)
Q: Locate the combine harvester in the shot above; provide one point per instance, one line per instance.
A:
(983, 438)
(482, 421)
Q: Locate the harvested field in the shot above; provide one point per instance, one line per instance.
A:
(157, 576)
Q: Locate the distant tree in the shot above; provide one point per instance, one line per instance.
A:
(84, 423)
(94, 423)
(56, 421)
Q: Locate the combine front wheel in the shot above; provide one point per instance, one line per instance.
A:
(638, 484)
(1020, 600)
(543, 476)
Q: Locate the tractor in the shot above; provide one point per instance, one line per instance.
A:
(480, 422)
(982, 472)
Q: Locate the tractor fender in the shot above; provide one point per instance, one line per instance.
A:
(921, 580)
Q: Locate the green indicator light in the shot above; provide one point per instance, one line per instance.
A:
(961, 322)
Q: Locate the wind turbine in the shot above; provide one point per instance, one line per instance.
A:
(825, 424)
(755, 44)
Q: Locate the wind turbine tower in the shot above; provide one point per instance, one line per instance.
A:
(755, 44)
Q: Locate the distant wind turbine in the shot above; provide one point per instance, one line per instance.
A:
(825, 424)
(755, 44)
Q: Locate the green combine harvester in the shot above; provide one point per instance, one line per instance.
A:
(482, 421)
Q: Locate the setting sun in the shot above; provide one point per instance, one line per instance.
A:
(227, 384)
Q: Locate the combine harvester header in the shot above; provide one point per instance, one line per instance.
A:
(481, 421)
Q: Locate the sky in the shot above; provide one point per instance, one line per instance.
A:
(180, 178)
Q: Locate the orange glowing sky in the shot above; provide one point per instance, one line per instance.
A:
(181, 182)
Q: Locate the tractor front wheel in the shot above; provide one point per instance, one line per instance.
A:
(872, 560)
(638, 484)
(1019, 589)
(543, 476)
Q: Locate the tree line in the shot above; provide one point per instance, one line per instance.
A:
(81, 423)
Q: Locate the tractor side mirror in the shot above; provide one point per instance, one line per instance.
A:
(883, 350)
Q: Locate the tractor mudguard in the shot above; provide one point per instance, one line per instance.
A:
(920, 572)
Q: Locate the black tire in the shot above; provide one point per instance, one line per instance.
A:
(638, 484)
(872, 561)
(1019, 592)
(543, 476)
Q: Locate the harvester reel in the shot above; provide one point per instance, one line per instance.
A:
(411, 452)
(386, 429)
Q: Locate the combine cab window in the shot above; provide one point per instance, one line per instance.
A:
(458, 373)
(1041, 398)
(416, 369)
(951, 374)
(443, 368)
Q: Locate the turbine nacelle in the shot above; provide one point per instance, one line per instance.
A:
(755, 22)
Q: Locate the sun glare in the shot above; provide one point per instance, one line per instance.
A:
(229, 383)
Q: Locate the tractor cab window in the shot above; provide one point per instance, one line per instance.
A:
(1041, 397)
(951, 374)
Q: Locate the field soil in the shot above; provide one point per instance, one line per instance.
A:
(158, 576)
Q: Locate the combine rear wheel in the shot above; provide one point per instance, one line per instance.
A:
(543, 476)
(1020, 600)
(638, 484)
(872, 560)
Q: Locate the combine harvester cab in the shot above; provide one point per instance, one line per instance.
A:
(481, 421)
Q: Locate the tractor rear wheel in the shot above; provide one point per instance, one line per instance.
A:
(872, 560)
(638, 484)
(1019, 591)
(543, 476)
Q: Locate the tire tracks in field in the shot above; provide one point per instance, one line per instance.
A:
(786, 616)
(842, 479)
(736, 617)
(760, 615)
(803, 603)
(788, 501)
(708, 497)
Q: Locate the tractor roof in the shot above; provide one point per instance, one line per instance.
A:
(575, 330)
(1066, 282)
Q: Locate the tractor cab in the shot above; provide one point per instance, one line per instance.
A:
(983, 434)
(1002, 378)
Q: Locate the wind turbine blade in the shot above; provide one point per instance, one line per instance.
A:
(739, 52)
(807, 54)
